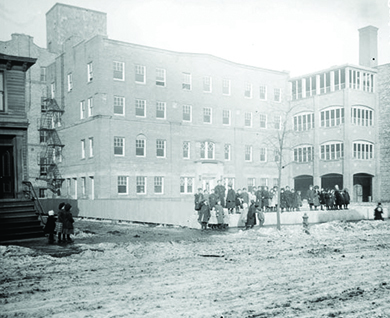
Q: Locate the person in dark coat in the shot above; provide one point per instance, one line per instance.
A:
(283, 200)
(347, 198)
(198, 198)
(239, 201)
(245, 196)
(220, 192)
(67, 228)
(339, 197)
(259, 197)
(60, 222)
(204, 215)
(50, 226)
(288, 197)
(220, 213)
(378, 212)
(310, 197)
(251, 217)
(212, 199)
(231, 199)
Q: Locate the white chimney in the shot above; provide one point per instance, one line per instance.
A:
(368, 46)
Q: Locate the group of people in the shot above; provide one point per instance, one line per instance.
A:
(62, 225)
(331, 199)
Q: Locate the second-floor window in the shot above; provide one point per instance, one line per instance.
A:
(140, 108)
(303, 154)
(90, 106)
(363, 150)
(91, 147)
(332, 151)
(227, 152)
(248, 153)
(82, 109)
(207, 84)
(263, 121)
(263, 92)
(226, 87)
(186, 149)
(160, 110)
(277, 95)
(332, 117)
(226, 117)
(263, 154)
(43, 76)
(248, 90)
(248, 119)
(362, 116)
(83, 149)
(187, 113)
(303, 122)
(277, 124)
(118, 71)
(140, 147)
(207, 150)
(160, 148)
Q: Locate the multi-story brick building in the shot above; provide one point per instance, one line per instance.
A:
(149, 126)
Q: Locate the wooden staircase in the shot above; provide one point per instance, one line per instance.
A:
(19, 220)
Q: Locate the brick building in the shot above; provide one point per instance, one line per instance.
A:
(146, 125)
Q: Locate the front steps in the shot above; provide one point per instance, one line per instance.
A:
(19, 220)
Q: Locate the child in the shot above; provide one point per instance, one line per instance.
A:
(50, 226)
(378, 212)
(67, 227)
(59, 222)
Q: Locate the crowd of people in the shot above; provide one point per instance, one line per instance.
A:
(210, 206)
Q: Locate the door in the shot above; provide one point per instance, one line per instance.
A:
(7, 177)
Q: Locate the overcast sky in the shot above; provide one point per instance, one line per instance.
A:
(300, 36)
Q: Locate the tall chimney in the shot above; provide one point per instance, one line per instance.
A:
(368, 46)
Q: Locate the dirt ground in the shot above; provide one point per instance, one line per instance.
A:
(127, 270)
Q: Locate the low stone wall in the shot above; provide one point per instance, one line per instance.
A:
(181, 213)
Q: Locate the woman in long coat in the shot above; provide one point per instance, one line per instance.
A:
(231, 199)
(67, 227)
(251, 217)
(204, 214)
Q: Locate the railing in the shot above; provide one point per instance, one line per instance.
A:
(33, 196)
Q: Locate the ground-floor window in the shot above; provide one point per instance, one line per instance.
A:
(141, 185)
(158, 185)
(122, 185)
(186, 185)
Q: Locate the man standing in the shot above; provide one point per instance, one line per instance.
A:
(220, 191)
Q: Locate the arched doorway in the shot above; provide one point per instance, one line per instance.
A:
(328, 181)
(302, 183)
(362, 187)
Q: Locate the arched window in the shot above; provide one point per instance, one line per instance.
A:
(333, 116)
(362, 116)
(363, 150)
(332, 150)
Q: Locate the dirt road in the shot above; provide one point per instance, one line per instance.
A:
(124, 270)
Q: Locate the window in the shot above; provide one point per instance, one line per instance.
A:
(89, 72)
(82, 109)
(43, 136)
(277, 122)
(186, 78)
(160, 77)
(160, 148)
(160, 110)
(140, 108)
(263, 154)
(2, 92)
(207, 115)
(91, 147)
(263, 121)
(141, 185)
(248, 90)
(362, 116)
(207, 84)
(251, 182)
(332, 151)
(303, 122)
(75, 188)
(187, 113)
(186, 185)
(277, 95)
(119, 105)
(226, 117)
(158, 185)
(140, 145)
(92, 191)
(83, 186)
(226, 87)
(248, 153)
(248, 119)
(227, 152)
(263, 92)
(118, 71)
(363, 150)
(43, 76)
(207, 150)
(186, 149)
(303, 154)
(53, 90)
(332, 117)
(90, 106)
(43, 165)
(140, 74)
(122, 185)
(119, 146)
(83, 149)
(70, 82)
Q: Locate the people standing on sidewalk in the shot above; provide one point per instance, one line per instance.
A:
(378, 212)
(67, 228)
(50, 226)
(60, 220)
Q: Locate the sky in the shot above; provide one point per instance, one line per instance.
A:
(299, 36)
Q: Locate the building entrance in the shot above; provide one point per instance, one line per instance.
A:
(7, 174)
(362, 187)
(328, 181)
(302, 183)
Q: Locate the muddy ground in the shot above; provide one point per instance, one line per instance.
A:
(128, 270)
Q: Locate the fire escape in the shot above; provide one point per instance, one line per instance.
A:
(51, 153)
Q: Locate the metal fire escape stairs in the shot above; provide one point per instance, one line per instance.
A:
(51, 153)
